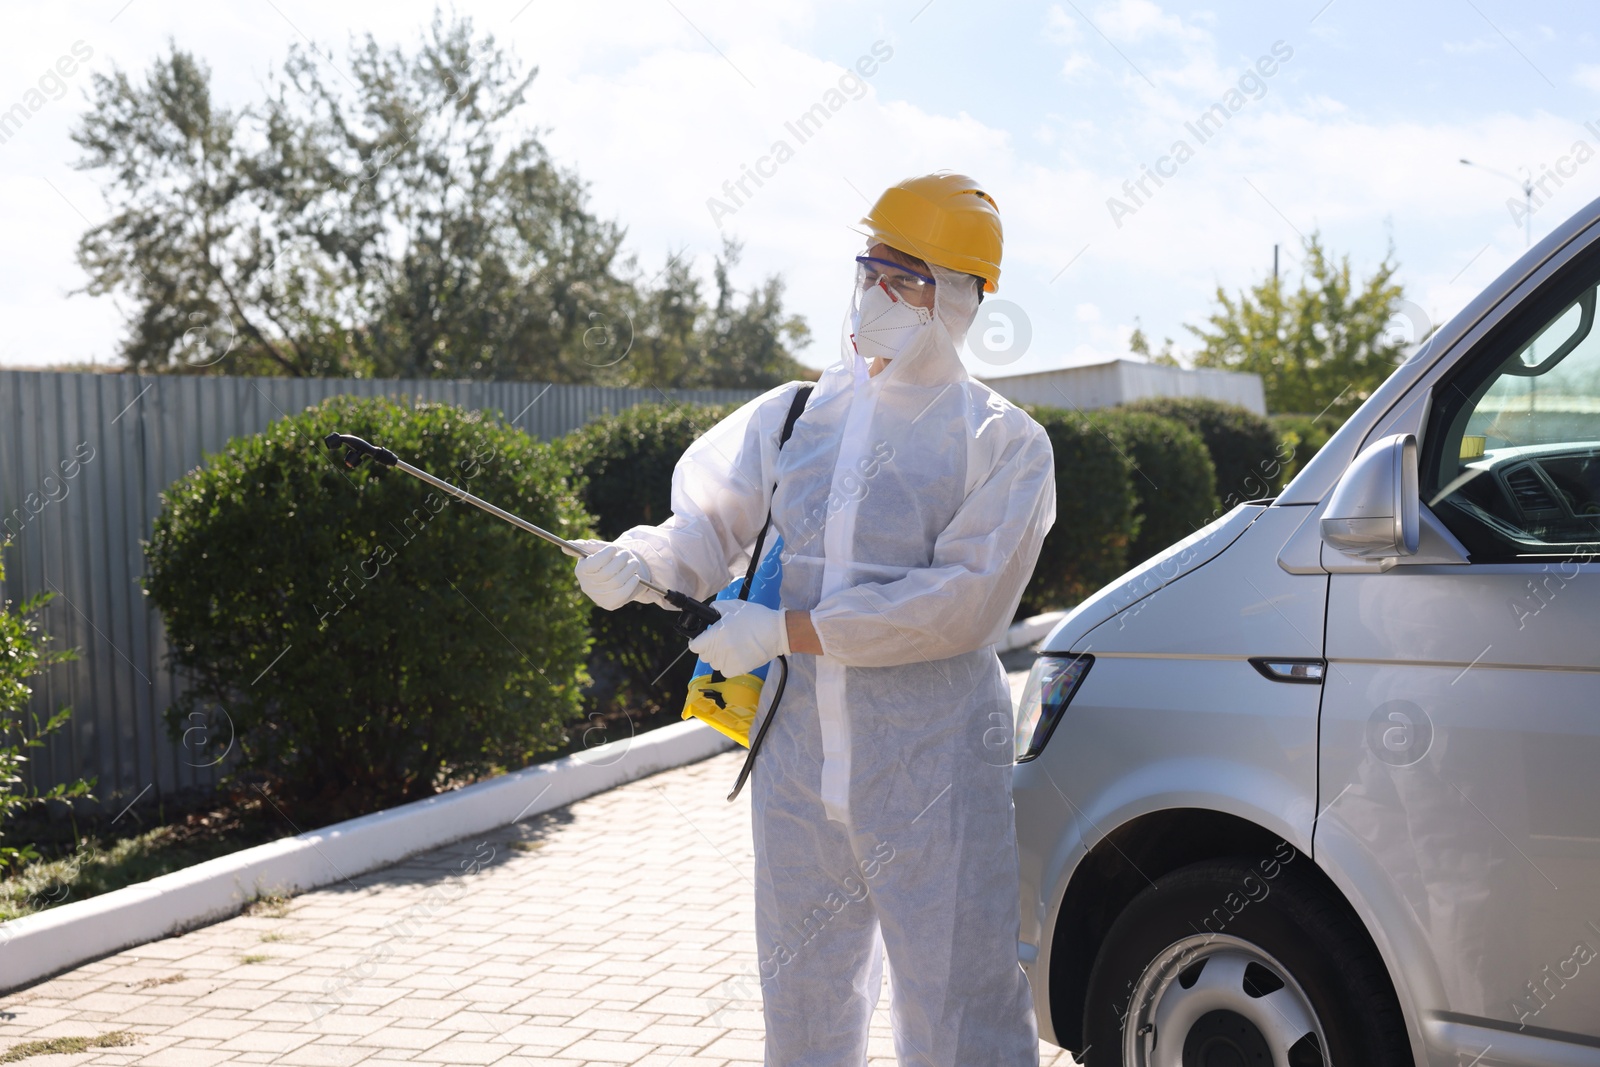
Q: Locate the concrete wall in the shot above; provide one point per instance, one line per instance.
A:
(1102, 385)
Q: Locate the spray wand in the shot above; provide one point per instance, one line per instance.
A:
(693, 615)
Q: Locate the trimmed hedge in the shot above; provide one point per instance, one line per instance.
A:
(1096, 521)
(1244, 446)
(364, 637)
(625, 464)
(1108, 518)
(623, 467)
(1173, 480)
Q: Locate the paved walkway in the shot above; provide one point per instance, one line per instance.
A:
(617, 931)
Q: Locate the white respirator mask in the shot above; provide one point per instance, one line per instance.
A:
(882, 321)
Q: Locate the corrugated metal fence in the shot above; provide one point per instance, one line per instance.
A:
(83, 460)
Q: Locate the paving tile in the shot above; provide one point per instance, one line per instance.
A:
(468, 1021)
(214, 1029)
(184, 1057)
(600, 1051)
(498, 997)
(732, 1047)
(320, 1054)
(628, 1022)
(261, 1040)
(28, 1017)
(536, 1034)
(678, 1034)
(681, 1056)
(403, 1037)
(225, 996)
(590, 951)
(347, 1025)
(463, 1051)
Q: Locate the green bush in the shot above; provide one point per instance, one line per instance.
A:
(367, 638)
(24, 654)
(1173, 480)
(1300, 437)
(623, 465)
(1244, 446)
(1095, 519)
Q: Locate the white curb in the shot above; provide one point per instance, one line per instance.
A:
(49, 942)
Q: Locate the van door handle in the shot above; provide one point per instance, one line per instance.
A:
(1290, 669)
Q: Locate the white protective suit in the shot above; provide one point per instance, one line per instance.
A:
(912, 505)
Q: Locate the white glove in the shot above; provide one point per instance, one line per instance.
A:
(611, 575)
(746, 636)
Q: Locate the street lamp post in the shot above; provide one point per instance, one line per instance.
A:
(1526, 185)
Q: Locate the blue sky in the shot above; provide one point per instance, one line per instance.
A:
(1053, 106)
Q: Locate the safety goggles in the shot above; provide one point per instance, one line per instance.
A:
(913, 287)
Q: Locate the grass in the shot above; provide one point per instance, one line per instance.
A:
(87, 856)
(85, 872)
(269, 905)
(255, 957)
(88, 859)
(273, 936)
(64, 1046)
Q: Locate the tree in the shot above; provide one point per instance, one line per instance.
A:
(679, 342)
(1322, 347)
(748, 345)
(392, 214)
(1139, 345)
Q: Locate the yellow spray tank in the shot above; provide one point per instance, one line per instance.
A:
(728, 705)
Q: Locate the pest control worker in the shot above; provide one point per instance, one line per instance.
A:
(911, 501)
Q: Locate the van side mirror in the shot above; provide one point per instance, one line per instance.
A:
(1372, 512)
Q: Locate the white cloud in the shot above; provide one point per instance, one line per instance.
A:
(1075, 64)
(1322, 105)
(1059, 27)
(1062, 30)
(1136, 20)
(1468, 48)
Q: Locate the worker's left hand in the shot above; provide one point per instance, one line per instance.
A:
(746, 636)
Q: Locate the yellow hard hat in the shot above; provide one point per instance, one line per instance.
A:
(943, 218)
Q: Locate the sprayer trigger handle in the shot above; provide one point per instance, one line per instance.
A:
(693, 615)
(355, 449)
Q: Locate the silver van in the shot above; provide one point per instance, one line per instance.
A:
(1321, 783)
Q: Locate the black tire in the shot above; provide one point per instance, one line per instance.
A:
(1231, 912)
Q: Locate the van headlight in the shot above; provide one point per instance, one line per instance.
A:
(1051, 685)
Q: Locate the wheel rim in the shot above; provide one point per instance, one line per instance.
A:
(1216, 1001)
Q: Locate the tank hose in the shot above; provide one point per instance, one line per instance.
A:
(755, 742)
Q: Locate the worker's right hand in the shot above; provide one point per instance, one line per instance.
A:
(612, 575)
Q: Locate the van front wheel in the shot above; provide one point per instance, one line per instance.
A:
(1219, 964)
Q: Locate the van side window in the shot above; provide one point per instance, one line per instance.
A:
(1512, 457)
